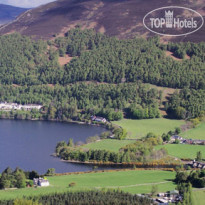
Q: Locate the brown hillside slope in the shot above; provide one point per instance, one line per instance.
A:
(122, 18)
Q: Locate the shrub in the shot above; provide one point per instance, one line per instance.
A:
(72, 184)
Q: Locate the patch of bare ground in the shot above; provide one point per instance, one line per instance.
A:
(51, 85)
(89, 25)
(102, 83)
(162, 111)
(15, 85)
(170, 54)
(166, 92)
(53, 47)
(187, 57)
(64, 60)
(102, 29)
(186, 126)
(11, 32)
(95, 82)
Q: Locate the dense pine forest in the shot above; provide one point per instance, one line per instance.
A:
(105, 77)
(188, 103)
(111, 60)
(26, 62)
(85, 198)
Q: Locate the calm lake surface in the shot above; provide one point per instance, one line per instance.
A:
(29, 144)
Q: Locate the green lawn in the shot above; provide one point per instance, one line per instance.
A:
(163, 187)
(199, 197)
(132, 181)
(108, 144)
(139, 128)
(195, 133)
(183, 150)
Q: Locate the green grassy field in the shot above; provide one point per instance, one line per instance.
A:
(183, 150)
(199, 197)
(108, 144)
(133, 181)
(195, 133)
(139, 128)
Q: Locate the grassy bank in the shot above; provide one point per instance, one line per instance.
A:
(183, 150)
(133, 181)
(139, 128)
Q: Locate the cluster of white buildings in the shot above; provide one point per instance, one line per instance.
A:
(168, 197)
(14, 106)
(186, 141)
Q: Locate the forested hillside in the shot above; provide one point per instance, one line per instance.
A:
(111, 60)
(105, 75)
(26, 62)
(100, 58)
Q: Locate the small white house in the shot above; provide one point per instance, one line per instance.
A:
(44, 183)
(98, 119)
(40, 182)
(176, 137)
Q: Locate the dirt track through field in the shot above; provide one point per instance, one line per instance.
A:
(134, 185)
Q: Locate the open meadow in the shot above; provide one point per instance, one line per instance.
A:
(195, 133)
(199, 196)
(139, 128)
(133, 181)
(108, 144)
(183, 151)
